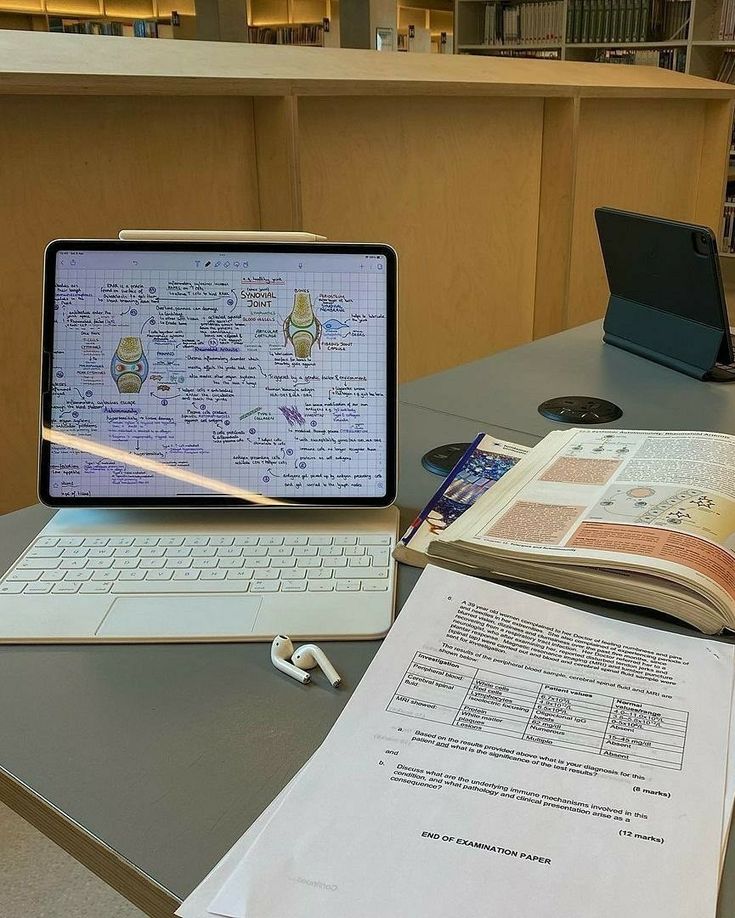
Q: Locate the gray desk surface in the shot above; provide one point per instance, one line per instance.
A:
(147, 762)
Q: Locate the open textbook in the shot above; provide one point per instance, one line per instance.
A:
(634, 516)
(484, 463)
(503, 749)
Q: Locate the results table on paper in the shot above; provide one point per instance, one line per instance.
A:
(447, 692)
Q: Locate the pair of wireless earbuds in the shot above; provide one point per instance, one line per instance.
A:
(295, 663)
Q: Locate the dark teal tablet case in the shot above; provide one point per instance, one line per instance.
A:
(666, 297)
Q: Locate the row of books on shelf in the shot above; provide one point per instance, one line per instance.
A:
(305, 34)
(726, 31)
(523, 23)
(544, 55)
(139, 28)
(728, 227)
(602, 21)
(726, 73)
(667, 58)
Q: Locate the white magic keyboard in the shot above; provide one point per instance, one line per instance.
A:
(129, 565)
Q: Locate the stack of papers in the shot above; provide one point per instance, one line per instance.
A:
(509, 750)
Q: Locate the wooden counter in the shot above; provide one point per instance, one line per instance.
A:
(482, 172)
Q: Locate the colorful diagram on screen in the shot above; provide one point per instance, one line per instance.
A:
(301, 327)
(129, 365)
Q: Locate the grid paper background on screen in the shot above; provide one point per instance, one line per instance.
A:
(262, 375)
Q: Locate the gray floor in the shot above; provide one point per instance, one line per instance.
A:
(39, 880)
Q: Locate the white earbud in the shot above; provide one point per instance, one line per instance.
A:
(281, 651)
(309, 655)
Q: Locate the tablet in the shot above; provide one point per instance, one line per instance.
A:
(213, 374)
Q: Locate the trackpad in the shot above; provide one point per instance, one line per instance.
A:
(181, 616)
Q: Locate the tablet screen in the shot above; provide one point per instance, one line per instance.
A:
(186, 373)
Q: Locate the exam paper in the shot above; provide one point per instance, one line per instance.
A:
(505, 749)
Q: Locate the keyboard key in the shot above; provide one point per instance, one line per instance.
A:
(330, 551)
(344, 540)
(374, 540)
(28, 576)
(359, 561)
(246, 540)
(233, 551)
(308, 562)
(102, 586)
(125, 563)
(131, 575)
(121, 542)
(161, 574)
(245, 573)
(265, 586)
(43, 564)
(320, 540)
(380, 556)
(152, 563)
(201, 563)
(65, 586)
(123, 552)
(53, 576)
(280, 551)
(171, 587)
(234, 562)
(293, 586)
(257, 562)
(283, 562)
(171, 540)
(306, 551)
(203, 551)
(72, 564)
(46, 542)
(44, 553)
(152, 551)
(78, 576)
(77, 552)
(374, 586)
(267, 574)
(16, 587)
(183, 552)
(177, 563)
(41, 587)
(320, 573)
(196, 540)
(100, 552)
(294, 573)
(348, 585)
(356, 550)
(98, 541)
(295, 540)
(110, 574)
(191, 574)
(270, 540)
(334, 562)
(221, 540)
(321, 586)
(213, 575)
(145, 540)
(71, 541)
(255, 551)
(99, 564)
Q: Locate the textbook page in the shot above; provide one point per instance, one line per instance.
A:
(662, 499)
(502, 748)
